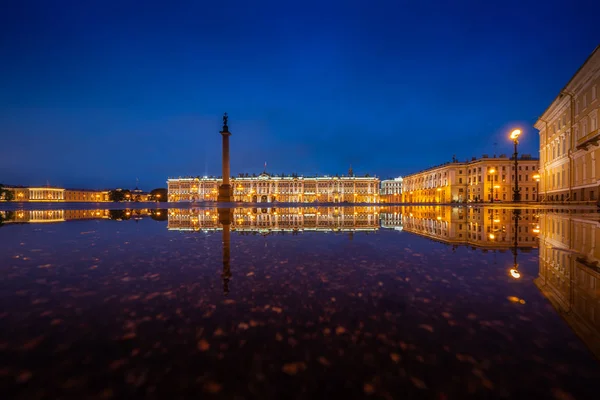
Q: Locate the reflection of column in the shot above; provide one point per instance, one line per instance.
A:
(225, 220)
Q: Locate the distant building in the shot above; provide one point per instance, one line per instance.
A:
(84, 195)
(471, 181)
(391, 190)
(267, 188)
(55, 194)
(570, 138)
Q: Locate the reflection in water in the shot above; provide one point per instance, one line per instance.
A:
(391, 312)
(569, 275)
(225, 221)
(267, 220)
(51, 216)
(485, 227)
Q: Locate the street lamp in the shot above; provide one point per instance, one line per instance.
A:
(491, 175)
(514, 135)
(537, 186)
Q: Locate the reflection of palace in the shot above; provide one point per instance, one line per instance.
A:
(266, 188)
(569, 275)
(486, 227)
(279, 219)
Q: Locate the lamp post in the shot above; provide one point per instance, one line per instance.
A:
(537, 186)
(491, 175)
(514, 135)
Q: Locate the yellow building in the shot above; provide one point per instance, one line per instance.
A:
(83, 195)
(569, 138)
(569, 276)
(37, 194)
(266, 188)
(53, 194)
(441, 184)
(330, 219)
(476, 180)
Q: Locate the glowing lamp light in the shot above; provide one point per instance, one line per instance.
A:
(515, 273)
(515, 134)
(492, 236)
(492, 171)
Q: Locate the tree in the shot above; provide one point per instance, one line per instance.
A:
(119, 195)
(5, 194)
(159, 194)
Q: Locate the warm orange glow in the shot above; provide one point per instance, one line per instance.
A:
(515, 273)
(496, 186)
(496, 221)
(439, 218)
(492, 236)
(515, 134)
(492, 171)
(536, 177)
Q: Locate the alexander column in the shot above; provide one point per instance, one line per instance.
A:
(225, 189)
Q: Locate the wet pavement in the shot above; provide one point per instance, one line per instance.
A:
(311, 302)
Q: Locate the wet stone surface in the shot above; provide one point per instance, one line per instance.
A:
(99, 309)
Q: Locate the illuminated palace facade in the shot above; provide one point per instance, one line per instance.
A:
(480, 179)
(281, 219)
(570, 138)
(266, 188)
(54, 194)
(391, 190)
(483, 227)
(569, 276)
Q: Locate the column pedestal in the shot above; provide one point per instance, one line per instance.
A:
(224, 195)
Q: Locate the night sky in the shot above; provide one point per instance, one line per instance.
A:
(96, 96)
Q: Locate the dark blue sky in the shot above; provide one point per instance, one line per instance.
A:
(97, 95)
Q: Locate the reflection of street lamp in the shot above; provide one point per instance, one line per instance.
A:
(537, 186)
(514, 271)
(514, 135)
(491, 175)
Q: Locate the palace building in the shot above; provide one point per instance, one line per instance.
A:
(485, 179)
(55, 194)
(267, 188)
(391, 190)
(570, 138)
